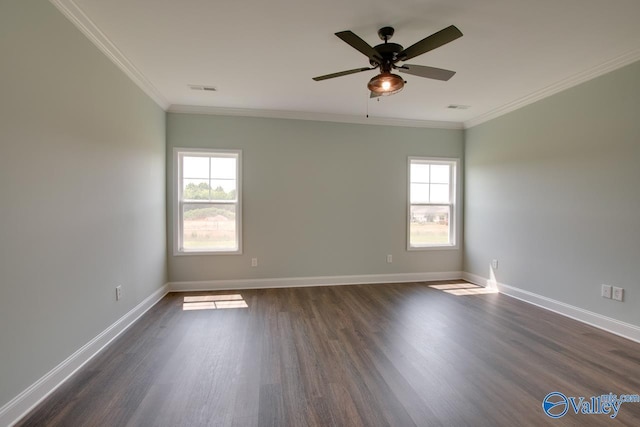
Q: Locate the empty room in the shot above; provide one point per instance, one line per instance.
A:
(366, 213)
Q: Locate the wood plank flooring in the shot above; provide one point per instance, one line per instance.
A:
(365, 355)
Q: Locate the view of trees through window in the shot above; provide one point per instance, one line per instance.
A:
(430, 202)
(203, 191)
(209, 203)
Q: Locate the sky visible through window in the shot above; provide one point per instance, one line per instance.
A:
(430, 203)
(214, 171)
(210, 201)
(429, 183)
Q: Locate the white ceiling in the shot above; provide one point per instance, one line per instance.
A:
(261, 55)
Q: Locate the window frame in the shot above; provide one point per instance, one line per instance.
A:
(453, 204)
(178, 223)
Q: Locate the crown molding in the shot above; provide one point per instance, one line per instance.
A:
(318, 117)
(77, 16)
(597, 71)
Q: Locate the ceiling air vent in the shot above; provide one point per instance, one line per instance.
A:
(458, 107)
(201, 87)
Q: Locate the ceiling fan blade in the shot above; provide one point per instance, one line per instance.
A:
(428, 72)
(434, 41)
(360, 45)
(374, 95)
(341, 73)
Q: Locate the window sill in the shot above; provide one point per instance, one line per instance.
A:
(207, 253)
(432, 248)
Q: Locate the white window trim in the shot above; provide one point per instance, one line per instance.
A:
(454, 197)
(177, 212)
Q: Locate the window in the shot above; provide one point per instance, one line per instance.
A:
(207, 208)
(432, 196)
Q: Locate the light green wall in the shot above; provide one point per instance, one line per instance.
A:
(320, 198)
(552, 192)
(82, 170)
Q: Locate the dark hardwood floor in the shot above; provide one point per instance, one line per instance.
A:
(366, 355)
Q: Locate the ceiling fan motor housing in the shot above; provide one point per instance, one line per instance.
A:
(385, 56)
(388, 51)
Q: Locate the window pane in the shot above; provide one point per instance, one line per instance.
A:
(439, 193)
(195, 167)
(419, 172)
(223, 167)
(419, 193)
(223, 189)
(440, 174)
(195, 189)
(209, 227)
(429, 225)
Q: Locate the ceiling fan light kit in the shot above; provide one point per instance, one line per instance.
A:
(386, 57)
(386, 84)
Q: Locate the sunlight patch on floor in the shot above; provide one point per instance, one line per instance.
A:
(464, 288)
(213, 302)
(454, 286)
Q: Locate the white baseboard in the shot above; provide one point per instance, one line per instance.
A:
(296, 282)
(625, 330)
(20, 405)
(14, 410)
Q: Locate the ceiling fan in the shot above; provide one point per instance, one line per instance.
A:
(386, 57)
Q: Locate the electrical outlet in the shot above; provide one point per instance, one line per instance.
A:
(254, 262)
(389, 259)
(618, 293)
(606, 291)
(118, 292)
(494, 264)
